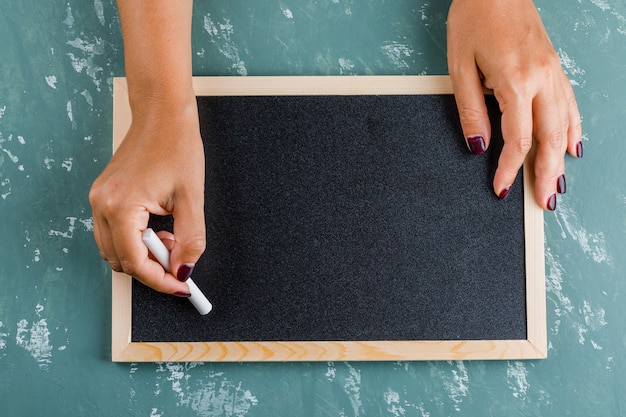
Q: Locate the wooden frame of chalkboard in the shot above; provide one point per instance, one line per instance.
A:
(534, 346)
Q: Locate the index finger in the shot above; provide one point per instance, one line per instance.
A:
(133, 256)
(517, 133)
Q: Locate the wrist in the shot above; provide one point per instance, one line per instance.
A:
(163, 104)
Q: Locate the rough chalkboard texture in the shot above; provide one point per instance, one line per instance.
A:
(347, 218)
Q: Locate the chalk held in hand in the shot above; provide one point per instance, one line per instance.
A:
(160, 252)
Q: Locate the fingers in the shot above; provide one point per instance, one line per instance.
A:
(552, 118)
(551, 131)
(517, 133)
(574, 138)
(470, 101)
(119, 242)
(190, 235)
(134, 259)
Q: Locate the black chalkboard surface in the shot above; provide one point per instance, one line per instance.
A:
(347, 218)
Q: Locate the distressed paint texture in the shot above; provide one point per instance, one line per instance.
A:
(57, 60)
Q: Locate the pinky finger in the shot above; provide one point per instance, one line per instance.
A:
(574, 134)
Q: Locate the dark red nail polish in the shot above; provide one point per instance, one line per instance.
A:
(182, 294)
(184, 272)
(476, 144)
(560, 184)
(579, 149)
(552, 202)
(505, 191)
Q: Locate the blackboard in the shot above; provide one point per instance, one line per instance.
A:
(348, 221)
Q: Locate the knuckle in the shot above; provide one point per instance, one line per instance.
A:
(555, 140)
(522, 146)
(105, 198)
(127, 267)
(115, 265)
(196, 242)
(471, 116)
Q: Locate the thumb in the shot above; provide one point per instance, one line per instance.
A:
(470, 102)
(189, 235)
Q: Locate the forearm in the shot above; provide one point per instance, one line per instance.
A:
(157, 52)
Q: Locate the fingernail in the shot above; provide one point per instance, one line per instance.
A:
(579, 149)
(505, 191)
(183, 294)
(552, 202)
(476, 144)
(560, 184)
(184, 272)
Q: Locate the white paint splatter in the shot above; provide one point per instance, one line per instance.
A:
(69, 19)
(392, 399)
(12, 157)
(570, 67)
(554, 284)
(36, 255)
(517, 376)
(602, 4)
(424, 14)
(3, 337)
(36, 339)
(68, 108)
(331, 372)
(6, 184)
(67, 164)
(21, 139)
(346, 66)
(582, 331)
(88, 98)
(97, 4)
(155, 413)
(70, 229)
(287, 13)
(398, 53)
(215, 398)
(456, 386)
(594, 317)
(87, 224)
(51, 80)
(221, 35)
(593, 244)
(84, 59)
(47, 161)
(352, 387)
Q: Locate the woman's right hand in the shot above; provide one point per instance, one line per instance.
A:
(159, 169)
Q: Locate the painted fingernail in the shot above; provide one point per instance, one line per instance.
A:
(579, 149)
(183, 294)
(552, 202)
(560, 184)
(505, 191)
(184, 272)
(476, 144)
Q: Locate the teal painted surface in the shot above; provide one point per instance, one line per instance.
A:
(57, 60)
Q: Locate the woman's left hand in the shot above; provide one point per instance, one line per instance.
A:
(503, 46)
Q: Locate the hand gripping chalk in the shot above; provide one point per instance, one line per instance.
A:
(160, 252)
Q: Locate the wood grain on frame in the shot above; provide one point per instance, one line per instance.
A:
(534, 347)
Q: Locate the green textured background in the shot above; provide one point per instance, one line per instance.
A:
(57, 60)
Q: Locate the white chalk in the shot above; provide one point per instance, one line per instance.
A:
(160, 252)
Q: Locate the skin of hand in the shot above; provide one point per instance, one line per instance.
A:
(159, 167)
(503, 46)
